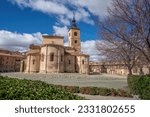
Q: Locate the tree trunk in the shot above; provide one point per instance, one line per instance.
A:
(130, 70)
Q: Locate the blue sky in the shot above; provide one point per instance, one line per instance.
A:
(24, 21)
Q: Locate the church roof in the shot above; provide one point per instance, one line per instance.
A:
(54, 45)
(69, 48)
(52, 37)
(80, 54)
(74, 26)
(11, 55)
(32, 46)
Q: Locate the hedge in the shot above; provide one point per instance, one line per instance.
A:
(96, 91)
(139, 85)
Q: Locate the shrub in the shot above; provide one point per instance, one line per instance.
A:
(104, 91)
(124, 93)
(93, 91)
(139, 85)
(72, 89)
(144, 87)
(15, 89)
(114, 92)
(85, 90)
(132, 84)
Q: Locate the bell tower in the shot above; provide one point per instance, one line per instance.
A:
(74, 36)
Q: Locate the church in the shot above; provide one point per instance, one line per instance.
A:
(53, 57)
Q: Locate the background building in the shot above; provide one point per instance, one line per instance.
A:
(10, 61)
(117, 68)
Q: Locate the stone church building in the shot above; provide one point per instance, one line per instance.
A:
(53, 57)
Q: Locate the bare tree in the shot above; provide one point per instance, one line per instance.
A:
(136, 15)
(117, 50)
(128, 23)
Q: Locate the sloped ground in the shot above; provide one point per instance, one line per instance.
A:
(74, 79)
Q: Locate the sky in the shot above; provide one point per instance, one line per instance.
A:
(23, 22)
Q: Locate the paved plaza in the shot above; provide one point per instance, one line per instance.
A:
(74, 79)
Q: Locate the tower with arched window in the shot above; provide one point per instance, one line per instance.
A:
(74, 37)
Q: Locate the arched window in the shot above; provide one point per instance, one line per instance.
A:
(51, 56)
(33, 61)
(82, 61)
(75, 33)
(42, 57)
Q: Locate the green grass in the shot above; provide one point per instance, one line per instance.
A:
(15, 89)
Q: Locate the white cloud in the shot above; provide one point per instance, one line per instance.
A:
(89, 47)
(60, 31)
(45, 6)
(18, 42)
(64, 9)
(64, 20)
(96, 7)
(83, 15)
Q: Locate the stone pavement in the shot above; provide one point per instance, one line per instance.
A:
(75, 79)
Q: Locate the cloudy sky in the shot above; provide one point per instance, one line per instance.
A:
(23, 22)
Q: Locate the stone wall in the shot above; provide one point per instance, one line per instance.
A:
(33, 63)
(82, 64)
(69, 65)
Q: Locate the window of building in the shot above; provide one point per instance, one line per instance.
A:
(82, 61)
(69, 62)
(61, 58)
(69, 34)
(51, 56)
(33, 62)
(75, 41)
(75, 33)
(42, 57)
